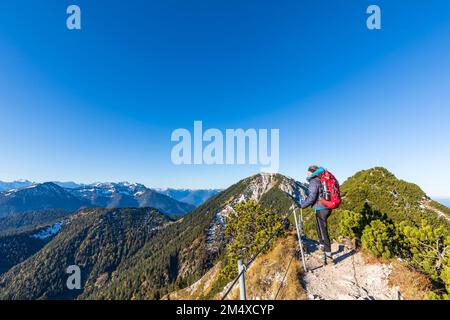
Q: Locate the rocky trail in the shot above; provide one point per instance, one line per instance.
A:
(279, 275)
(350, 277)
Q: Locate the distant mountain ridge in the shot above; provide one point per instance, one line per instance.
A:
(36, 197)
(26, 196)
(194, 197)
(18, 184)
(125, 195)
(6, 186)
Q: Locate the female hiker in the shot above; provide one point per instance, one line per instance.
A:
(322, 212)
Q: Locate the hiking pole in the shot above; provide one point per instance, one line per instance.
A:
(302, 231)
(300, 242)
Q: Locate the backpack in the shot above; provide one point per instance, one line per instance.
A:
(331, 194)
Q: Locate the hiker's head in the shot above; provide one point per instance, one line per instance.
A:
(311, 170)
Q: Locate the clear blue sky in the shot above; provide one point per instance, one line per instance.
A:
(100, 104)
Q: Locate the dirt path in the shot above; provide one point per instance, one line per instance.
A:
(350, 278)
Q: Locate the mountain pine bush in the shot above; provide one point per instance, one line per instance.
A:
(429, 250)
(350, 224)
(435, 296)
(380, 238)
(248, 228)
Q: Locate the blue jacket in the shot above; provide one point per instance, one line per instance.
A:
(314, 192)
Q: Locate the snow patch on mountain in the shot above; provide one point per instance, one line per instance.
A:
(48, 232)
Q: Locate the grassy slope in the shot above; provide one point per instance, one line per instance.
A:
(273, 275)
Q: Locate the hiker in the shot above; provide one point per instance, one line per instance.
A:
(314, 199)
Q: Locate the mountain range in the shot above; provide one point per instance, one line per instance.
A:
(25, 196)
(142, 253)
(124, 195)
(6, 186)
(39, 197)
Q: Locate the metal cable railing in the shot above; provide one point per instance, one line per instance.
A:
(284, 277)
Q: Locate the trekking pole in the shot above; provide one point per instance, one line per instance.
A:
(302, 231)
(300, 242)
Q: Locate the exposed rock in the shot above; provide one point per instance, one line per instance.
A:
(350, 278)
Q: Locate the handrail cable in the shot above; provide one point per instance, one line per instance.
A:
(284, 277)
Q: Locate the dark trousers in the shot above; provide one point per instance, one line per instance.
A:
(322, 228)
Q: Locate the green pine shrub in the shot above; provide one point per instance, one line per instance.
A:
(350, 224)
(248, 229)
(436, 296)
(380, 238)
(429, 250)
